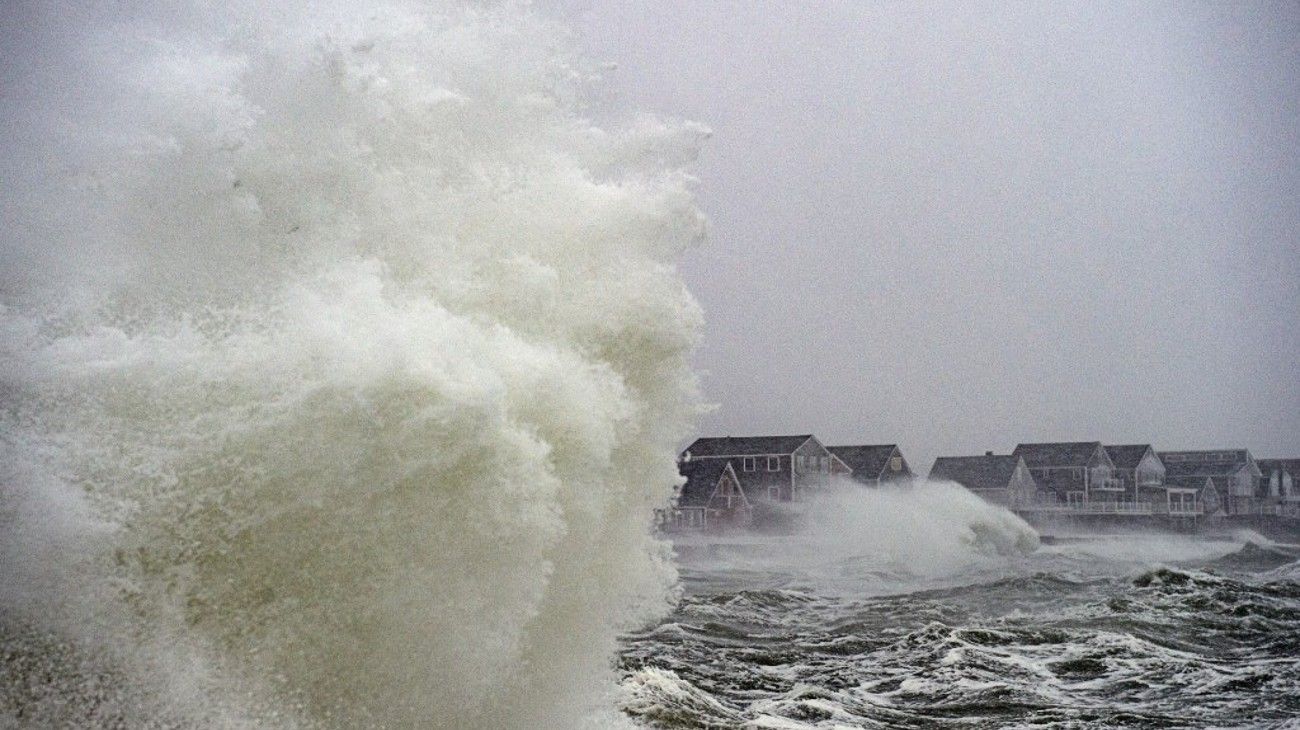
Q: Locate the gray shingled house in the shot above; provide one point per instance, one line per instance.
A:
(1074, 472)
(873, 465)
(770, 468)
(1191, 495)
(1139, 471)
(1280, 479)
(1004, 480)
(711, 499)
(1235, 474)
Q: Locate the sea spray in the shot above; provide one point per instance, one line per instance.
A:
(926, 527)
(858, 539)
(343, 363)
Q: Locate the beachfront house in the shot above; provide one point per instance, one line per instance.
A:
(769, 468)
(1280, 479)
(712, 498)
(1189, 496)
(1004, 480)
(871, 465)
(1073, 472)
(1139, 471)
(1234, 473)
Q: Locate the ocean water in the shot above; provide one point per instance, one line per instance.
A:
(343, 359)
(1115, 631)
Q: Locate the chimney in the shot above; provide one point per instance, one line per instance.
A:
(988, 453)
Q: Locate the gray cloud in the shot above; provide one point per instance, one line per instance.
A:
(959, 226)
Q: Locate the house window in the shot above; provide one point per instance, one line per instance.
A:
(773, 463)
(895, 463)
(749, 463)
(773, 493)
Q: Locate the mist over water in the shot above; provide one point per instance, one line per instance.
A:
(343, 363)
(858, 540)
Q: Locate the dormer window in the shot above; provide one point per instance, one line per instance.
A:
(774, 463)
(749, 463)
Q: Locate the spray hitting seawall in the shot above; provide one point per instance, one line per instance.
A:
(343, 362)
(870, 540)
(920, 528)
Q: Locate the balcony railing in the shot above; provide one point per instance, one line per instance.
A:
(1289, 510)
(1089, 507)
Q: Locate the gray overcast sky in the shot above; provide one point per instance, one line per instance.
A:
(961, 225)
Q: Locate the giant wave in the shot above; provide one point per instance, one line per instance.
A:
(343, 361)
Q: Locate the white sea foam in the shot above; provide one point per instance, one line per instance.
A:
(341, 355)
(867, 540)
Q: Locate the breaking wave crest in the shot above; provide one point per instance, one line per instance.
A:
(874, 540)
(343, 362)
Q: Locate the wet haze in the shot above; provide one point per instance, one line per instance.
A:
(960, 226)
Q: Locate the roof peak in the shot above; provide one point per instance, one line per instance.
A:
(721, 446)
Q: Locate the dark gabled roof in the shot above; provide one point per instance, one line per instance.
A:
(745, 445)
(1127, 456)
(1202, 469)
(702, 478)
(1291, 466)
(1065, 453)
(976, 472)
(865, 461)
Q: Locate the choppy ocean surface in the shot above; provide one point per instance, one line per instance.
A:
(1111, 632)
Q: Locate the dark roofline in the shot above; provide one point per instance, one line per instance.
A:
(1120, 448)
(1061, 453)
(846, 452)
(802, 439)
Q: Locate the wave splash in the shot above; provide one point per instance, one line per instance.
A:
(873, 540)
(343, 361)
(929, 527)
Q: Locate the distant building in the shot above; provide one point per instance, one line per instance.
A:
(1234, 472)
(711, 499)
(1190, 496)
(873, 465)
(769, 468)
(1280, 479)
(1004, 480)
(1139, 471)
(839, 467)
(1074, 472)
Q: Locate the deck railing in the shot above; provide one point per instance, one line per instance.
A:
(1284, 509)
(1098, 507)
(1095, 507)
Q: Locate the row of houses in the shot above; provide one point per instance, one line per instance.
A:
(732, 482)
(1092, 477)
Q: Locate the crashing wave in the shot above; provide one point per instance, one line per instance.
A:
(343, 361)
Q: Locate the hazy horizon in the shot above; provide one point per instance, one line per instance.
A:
(965, 229)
